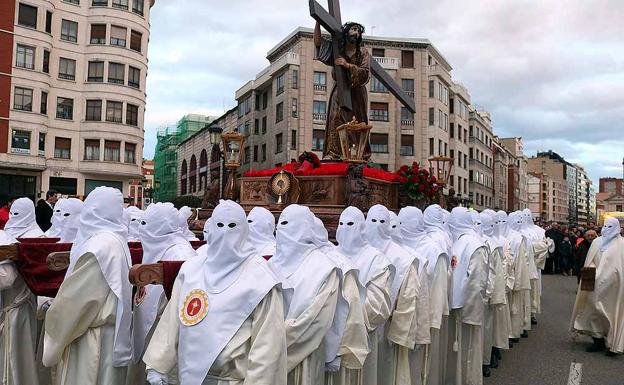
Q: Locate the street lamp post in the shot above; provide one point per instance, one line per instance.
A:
(441, 167)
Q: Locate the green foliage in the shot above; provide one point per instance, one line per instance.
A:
(187, 200)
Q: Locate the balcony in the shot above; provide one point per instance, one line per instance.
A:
(110, 168)
(388, 63)
(319, 117)
(407, 122)
(439, 71)
(320, 87)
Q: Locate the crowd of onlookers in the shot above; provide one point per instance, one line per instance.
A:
(571, 246)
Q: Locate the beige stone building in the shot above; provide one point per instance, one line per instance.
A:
(503, 166)
(284, 108)
(459, 109)
(75, 93)
(556, 202)
(481, 161)
(548, 197)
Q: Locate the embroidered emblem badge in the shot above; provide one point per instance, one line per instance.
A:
(195, 308)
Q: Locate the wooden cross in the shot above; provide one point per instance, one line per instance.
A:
(331, 21)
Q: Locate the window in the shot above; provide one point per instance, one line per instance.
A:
(278, 143)
(255, 153)
(257, 103)
(379, 143)
(247, 155)
(379, 112)
(99, 3)
(293, 139)
(111, 151)
(440, 118)
(92, 149)
(116, 73)
(43, 106)
(452, 106)
(264, 125)
(69, 30)
(431, 116)
(94, 110)
(407, 59)
(320, 81)
(379, 52)
(118, 36)
(134, 77)
(27, 16)
(62, 148)
(48, 22)
(256, 126)
(319, 110)
(73, 1)
(135, 40)
(318, 140)
(279, 84)
(439, 147)
(137, 6)
(431, 147)
(22, 99)
(25, 57)
(265, 100)
(264, 152)
(20, 142)
(407, 117)
(129, 151)
(46, 61)
(67, 69)
(98, 34)
(132, 114)
(294, 107)
(96, 71)
(279, 112)
(295, 79)
(407, 145)
(376, 85)
(114, 111)
(408, 86)
(42, 140)
(64, 108)
(452, 130)
(431, 88)
(122, 4)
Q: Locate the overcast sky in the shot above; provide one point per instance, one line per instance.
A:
(551, 71)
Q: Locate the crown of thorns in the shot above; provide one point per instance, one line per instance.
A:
(347, 26)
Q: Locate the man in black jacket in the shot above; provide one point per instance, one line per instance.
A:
(45, 209)
(581, 252)
(552, 262)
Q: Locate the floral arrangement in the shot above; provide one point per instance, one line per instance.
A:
(310, 157)
(417, 183)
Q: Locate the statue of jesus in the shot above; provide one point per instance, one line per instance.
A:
(356, 61)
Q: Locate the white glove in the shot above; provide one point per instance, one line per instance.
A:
(333, 366)
(156, 378)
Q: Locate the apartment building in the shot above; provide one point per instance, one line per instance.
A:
(504, 163)
(561, 173)
(284, 108)
(548, 197)
(517, 194)
(481, 161)
(459, 107)
(72, 94)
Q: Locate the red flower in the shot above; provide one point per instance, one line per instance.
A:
(404, 169)
(433, 179)
(414, 178)
(421, 187)
(425, 172)
(423, 177)
(402, 180)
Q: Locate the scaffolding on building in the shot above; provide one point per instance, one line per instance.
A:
(168, 138)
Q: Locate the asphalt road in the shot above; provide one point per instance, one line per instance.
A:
(546, 356)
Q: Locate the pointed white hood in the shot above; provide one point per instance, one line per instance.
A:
(294, 237)
(184, 215)
(55, 230)
(69, 221)
(132, 217)
(261, 230)
(22, 222)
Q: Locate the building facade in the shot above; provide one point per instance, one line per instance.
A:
(72, 94)
(166, 165)
(283, 110)
(537, 195)
(517, 198)
(197, 156)
(459, 108)
(481, 161)
(503, 165)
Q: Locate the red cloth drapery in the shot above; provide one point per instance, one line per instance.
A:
(330, 168)
(170, 273)
(34, 269)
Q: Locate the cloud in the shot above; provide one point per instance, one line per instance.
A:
(550, 71)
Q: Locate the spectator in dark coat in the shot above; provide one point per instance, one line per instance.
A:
(552, 262)
(45, 209)
(581, 252)
(566, 254)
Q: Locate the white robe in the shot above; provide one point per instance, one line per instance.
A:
(80, 328)
(520, 305)
(18, 327)
(439, 307)
(254, 355)
(600, 313)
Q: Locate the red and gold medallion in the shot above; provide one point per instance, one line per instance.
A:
(195, 308)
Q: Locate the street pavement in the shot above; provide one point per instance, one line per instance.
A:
(546, 356)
